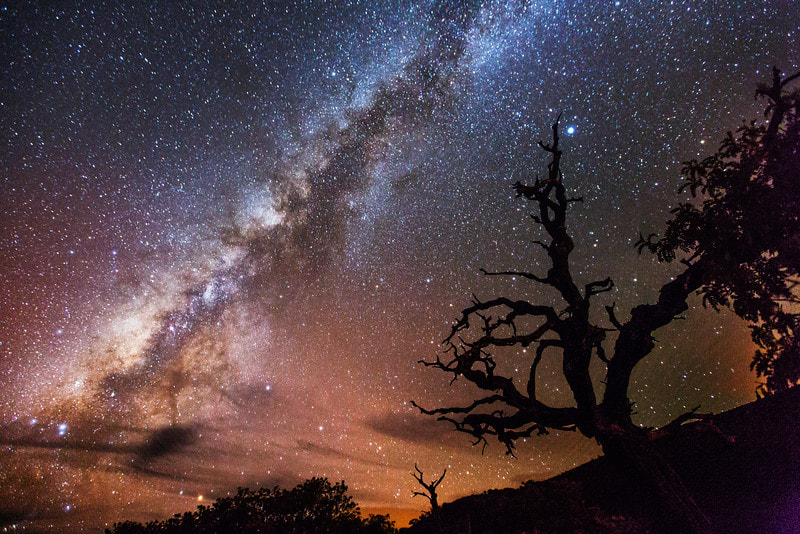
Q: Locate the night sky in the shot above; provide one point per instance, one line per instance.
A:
(228, 232)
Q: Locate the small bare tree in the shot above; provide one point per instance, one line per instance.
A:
(430, 488)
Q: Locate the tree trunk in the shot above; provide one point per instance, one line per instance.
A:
(632, 453)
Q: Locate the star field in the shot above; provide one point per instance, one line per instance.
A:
(230, 230)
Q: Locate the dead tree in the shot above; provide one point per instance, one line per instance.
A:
(430, 489)
(603, 411)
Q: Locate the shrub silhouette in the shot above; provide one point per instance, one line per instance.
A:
(315, 506)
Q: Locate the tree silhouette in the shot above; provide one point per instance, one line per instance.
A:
(315, 506)
(430, 488)
(738, 243)
(744, 233)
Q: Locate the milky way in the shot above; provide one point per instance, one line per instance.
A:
(230, 231)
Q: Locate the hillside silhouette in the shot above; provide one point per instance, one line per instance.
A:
(742, 467)
(746, 477)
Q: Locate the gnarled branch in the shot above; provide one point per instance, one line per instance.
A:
(522, 274)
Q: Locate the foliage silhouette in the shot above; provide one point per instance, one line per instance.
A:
(739, 245)
(744, 225)
(313, 507)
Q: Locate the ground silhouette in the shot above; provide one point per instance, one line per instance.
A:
(747, 479)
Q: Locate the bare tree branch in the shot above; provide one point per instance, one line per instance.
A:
(612, 316)
(595, 288)
(544, 344)
(522, 274)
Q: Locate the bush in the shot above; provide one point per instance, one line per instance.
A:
(313, 507)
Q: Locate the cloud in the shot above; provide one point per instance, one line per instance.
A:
(329, 452)
(166, 440)
(415, 428)
(68, 445)
(156, 444)
(10, 516)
